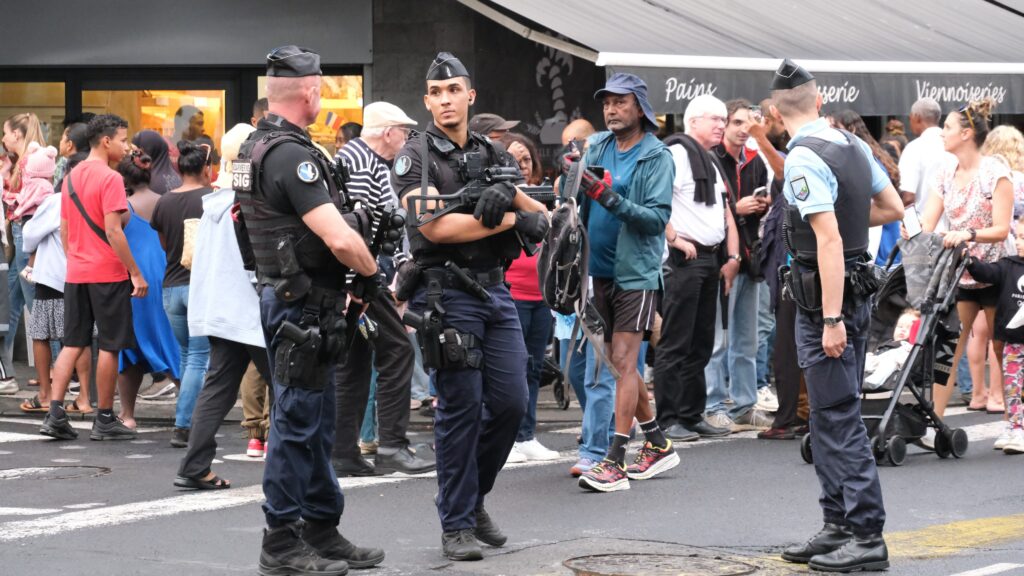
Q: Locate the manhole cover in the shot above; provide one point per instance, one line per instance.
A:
(52, 472)
(655, 565)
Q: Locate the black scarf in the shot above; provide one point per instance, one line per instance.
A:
(702, 165)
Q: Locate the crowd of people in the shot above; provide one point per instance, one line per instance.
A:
(686, 235)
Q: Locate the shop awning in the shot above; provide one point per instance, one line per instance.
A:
(874, 56)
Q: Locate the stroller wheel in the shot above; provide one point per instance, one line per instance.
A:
(805, 449)
(958, 442)
(896, 451)
(943, 445)
(878, 448)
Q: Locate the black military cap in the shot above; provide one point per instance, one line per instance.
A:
(446, 66)
(293, 62)
(790, 75)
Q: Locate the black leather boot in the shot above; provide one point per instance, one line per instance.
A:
(330, 544)
(831, 537)
(860, 553)
(486, 530)
(357, 466)
(284, 553)
(461, 545)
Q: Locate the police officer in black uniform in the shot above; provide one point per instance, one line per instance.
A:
(836, 192)
(467, 324)
(293, 230)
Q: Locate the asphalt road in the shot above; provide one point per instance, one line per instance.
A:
(728, 508)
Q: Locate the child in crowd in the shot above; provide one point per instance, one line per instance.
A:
(1008, 275)
(880, 365)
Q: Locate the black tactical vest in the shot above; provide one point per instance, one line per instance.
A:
(268, 228)
(455, 168)
(852, 169)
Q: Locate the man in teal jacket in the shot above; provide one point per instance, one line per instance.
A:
(628, 201)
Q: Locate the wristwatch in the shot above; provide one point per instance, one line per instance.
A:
(832, 320)
(736, 257)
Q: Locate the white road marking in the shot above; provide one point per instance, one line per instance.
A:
(79, 425)
(5, 453)
(84, 506)
(138, 456)
(243, 458)
(73, 447)
(16, 437)
(65, 461)
(16, 473)
(27, 511)
(989, 570)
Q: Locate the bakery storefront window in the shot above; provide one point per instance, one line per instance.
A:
(341, 101)
(193, 115)
(44, 99)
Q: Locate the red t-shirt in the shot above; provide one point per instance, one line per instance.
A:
(101, 191)
(522, 277)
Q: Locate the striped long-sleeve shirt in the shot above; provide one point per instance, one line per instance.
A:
(370, 184)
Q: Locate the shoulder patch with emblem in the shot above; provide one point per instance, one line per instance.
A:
(800, 188)
(402, 165)
(308, 172)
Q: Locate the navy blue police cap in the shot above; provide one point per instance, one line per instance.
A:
(293, 62)
(790, 75)
(446, 66)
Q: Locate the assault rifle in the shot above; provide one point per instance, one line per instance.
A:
(427, 208)
(389, 232)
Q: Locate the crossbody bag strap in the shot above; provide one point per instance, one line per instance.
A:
(81, 209)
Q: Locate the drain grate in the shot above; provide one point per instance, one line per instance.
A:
(655, 565)
(52, 472)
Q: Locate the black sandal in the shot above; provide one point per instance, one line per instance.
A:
(33, 405)
(215, 483)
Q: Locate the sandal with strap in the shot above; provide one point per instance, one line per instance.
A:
(33, 405)
(215, 483)
(71, 407)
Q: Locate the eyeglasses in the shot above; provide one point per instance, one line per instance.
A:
(966, 110)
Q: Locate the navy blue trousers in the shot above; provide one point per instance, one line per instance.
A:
(478, 410)
(298, 480)
(851, 494)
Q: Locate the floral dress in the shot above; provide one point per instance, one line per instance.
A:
(971, 207)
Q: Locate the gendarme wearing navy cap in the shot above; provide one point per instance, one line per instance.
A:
(293, 62)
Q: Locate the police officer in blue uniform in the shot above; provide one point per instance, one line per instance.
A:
(467, 324)
(291, 227)
(836, 192)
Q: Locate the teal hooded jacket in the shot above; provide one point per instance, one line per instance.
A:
(644, 211)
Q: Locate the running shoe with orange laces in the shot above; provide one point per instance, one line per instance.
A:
(605, 476)
(651, 461)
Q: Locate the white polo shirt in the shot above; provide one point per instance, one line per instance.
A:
(695, 221)
(920, 163)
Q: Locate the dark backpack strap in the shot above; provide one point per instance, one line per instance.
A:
(81, 209)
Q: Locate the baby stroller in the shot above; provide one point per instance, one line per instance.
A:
(926, 281)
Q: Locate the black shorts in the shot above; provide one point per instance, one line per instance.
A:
(985, 297)
(625, 310)
(108, 305)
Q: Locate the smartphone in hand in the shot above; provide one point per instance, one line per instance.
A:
(911, 221)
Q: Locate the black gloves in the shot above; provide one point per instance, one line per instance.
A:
(532, 225)
(493, 204)
(366, 288)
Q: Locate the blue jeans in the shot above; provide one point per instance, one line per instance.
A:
(732, 371)
(535, 319)
(420, 388)
(20, 293)
(576, 370)
(963, 376)
(368, 433)
(195, 354)
(599, 414)
(765, 334)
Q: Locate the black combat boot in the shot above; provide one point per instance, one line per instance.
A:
(461, 545)
(486, 530)
(831, 537)
(859, 553)
(329, 543)
(284, 554)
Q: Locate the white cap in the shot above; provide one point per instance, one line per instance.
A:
(383, 114)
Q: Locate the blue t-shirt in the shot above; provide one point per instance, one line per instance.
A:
(602, 225)
(890, 235)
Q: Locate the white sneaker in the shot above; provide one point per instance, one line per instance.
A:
(515, 456)
(534, 450)
(9, 386)
(754, 419)
(766, 400)
(1016, 443)
(1004, 437)
(721, 420)
(928, 440)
